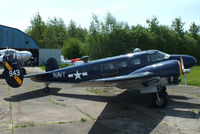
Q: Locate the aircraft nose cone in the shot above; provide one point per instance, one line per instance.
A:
(27, 55)
(194, 61)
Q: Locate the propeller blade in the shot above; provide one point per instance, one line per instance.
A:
(182, 64)
(184, 71)
(185, 80)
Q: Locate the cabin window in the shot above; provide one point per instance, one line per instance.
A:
(95, 68)
(109, 68)
(136, 62)
(122, 64)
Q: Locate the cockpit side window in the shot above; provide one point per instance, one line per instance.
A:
(158, 56)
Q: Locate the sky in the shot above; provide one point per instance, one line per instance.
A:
(18, 13)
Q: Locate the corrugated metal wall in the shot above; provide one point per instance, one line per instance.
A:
(14, 38)
(45, 54)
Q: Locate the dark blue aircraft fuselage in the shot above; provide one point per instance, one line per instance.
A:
(112, 67)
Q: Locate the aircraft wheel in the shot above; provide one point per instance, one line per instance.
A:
(51, 64)
(24, 71)
(161, 102)
(46, 89)
(164, 90)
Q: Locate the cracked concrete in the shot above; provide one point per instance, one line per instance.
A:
(29, 110)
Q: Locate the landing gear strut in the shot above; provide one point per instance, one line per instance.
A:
(164, 90)
(46, 89)
(160, 99)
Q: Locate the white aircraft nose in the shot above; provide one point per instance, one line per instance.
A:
(26, 55)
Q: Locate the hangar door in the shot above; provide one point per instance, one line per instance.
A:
(45, 54)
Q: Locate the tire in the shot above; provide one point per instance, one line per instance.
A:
(163, 99)
(51, 64)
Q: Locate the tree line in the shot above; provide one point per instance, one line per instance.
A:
(111, 37)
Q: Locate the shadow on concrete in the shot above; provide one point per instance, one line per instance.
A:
(32, 95)
(131, 110)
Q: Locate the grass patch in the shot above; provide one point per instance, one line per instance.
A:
(95, 91)
(83, 120)
(31, 124)
(165, 123)
(42, 67)
(193, 78)
(61, 122)
(198, 95)
(61, 66)
(92, 91)
(21, 126)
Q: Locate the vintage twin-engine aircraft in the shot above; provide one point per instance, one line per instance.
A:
(147, 71)
(20, 56)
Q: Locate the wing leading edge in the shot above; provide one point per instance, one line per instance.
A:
(143, 75)
(130, 81)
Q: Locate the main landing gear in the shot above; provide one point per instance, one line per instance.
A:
(159, 98)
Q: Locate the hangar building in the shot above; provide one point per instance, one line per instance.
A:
(16, 39)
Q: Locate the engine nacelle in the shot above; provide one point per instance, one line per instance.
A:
(173, 80)
(163, 69)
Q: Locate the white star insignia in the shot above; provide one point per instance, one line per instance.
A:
(77, 75)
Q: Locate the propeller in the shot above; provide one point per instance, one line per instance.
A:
(184, 71)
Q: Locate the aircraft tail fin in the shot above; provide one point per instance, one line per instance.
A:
(13, 72)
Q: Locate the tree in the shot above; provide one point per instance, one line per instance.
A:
(94, 38)
(58, 26)
(153, 24)
(194, 30)
(110, 23)
(177, 26)
(76, 32)
(111, 37)
(36, 30)
(50, 39)
(72, 48)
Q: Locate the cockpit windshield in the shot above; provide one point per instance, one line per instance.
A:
(157, 56)
(162, 55)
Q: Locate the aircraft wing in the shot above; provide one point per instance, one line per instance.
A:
(126, 77)
(130, 81)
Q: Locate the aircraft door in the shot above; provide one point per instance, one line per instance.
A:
(91, 72)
